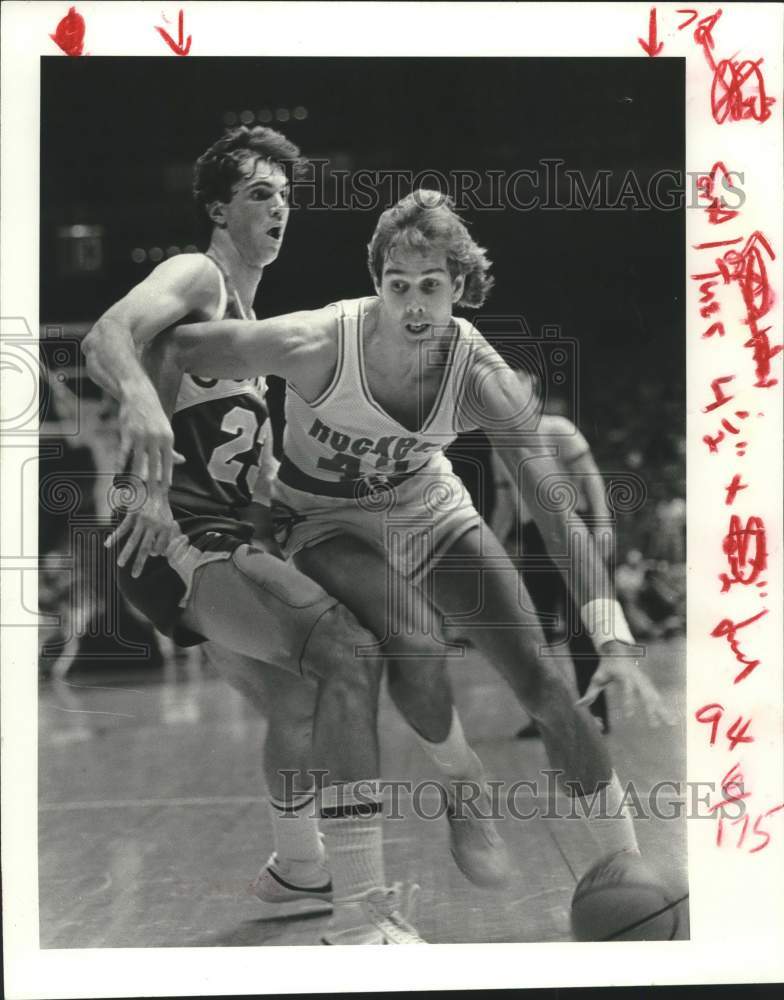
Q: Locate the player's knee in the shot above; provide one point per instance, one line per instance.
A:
(407, 645)
(340, 650)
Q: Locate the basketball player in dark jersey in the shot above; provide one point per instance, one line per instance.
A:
(196, 564)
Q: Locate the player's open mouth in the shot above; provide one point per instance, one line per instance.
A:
(417, 328)
(276, 232)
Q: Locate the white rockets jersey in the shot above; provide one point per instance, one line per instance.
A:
(346, 435)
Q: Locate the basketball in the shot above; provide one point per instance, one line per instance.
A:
(620, 899)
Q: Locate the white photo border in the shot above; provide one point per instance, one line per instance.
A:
(737, 908)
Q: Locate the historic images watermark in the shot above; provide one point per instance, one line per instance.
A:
(549, 185)
(545, 797)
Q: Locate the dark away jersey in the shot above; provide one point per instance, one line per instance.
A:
(221, 428)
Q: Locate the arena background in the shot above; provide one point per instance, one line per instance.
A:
(119, 137)
(118, 140)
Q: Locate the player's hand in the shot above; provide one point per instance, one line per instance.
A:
(146, 434)
(145, 532)
(622, 671)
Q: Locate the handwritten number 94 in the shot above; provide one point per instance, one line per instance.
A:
(712, 715)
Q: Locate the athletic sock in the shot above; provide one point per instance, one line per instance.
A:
(295, 829)
(351, 821)
(609, 822)
(453, 755)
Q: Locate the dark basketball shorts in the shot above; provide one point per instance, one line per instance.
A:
(225, 589)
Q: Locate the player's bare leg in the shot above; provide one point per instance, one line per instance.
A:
(367, 911)
(419, 683)
(226, 606)
(295, 880)
(572, 740)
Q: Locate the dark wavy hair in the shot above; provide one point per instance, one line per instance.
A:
(219, 168)
(426, 220)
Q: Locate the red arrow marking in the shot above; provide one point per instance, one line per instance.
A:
(70, 33)
(650, 46)
(178, 48)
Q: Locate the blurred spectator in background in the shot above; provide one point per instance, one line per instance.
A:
(652, 594)
(670, 531)
(79, 435)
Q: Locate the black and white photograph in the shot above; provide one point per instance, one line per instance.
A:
(390, 591)
(390, 482)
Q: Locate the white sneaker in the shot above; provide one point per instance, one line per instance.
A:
(378, 916)
(476, 845)
(292, 889)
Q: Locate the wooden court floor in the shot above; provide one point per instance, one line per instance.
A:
(153, 817)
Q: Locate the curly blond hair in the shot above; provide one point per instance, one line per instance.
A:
(426, 220)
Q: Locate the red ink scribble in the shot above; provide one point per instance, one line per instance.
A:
(748, 269)
(714, 442)
(713, 329)
(714, 243)
(733, 489)
(702, 33)
(737, 733)
(730, 76)
(69, 34)
(732, 787)
(179, 47)
(688, 21)
(707, 295)
(715, 711)
(728, 630)
(720, 397)
(727, 98)
(712, 715)
(764, 833)
(736, 545)
(709, 280)
(650, 47)
(706, 186)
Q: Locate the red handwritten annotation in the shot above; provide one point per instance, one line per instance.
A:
(182, 46)
(737, 93)
(652, 46)
(729, 101)
(69, 34)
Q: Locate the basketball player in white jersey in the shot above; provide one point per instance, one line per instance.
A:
(201, 575)
(368, 506)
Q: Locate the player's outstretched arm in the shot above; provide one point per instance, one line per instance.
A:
(284, 345)
(501, 408)
(175, 289)
(593, 483)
